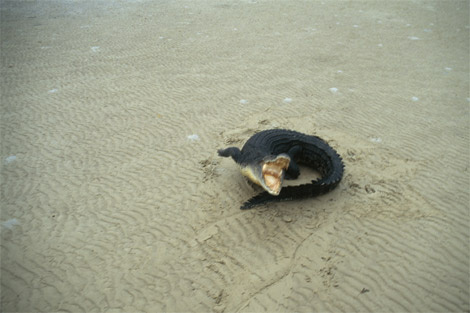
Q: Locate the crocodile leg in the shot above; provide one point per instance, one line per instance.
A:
(293, 171)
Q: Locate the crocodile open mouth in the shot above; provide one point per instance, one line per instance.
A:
(273, 173)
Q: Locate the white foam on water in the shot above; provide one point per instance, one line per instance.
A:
(95, 48)
(380, 45)
(339, 71)
(54, 90)
(334, 90)
(193, 137)
(376, 139)
(11, 158)
(243, 101)
(448, 69)
(10, 223)
(287, 100)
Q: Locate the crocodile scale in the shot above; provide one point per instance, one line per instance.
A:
(310, 151)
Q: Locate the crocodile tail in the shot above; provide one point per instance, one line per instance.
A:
(233, 152)
(290, 193)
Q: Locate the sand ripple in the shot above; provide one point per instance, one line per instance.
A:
(113, 197)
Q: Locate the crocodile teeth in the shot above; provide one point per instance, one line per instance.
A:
(274, 183)
(273, 175)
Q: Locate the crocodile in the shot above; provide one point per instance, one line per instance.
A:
(271, 156)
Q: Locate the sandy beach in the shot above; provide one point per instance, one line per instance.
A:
(113, 198)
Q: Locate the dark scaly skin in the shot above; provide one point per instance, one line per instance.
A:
(308, 150)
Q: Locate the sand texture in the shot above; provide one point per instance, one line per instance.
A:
(113, 197)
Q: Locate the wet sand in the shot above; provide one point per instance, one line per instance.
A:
(113, 196)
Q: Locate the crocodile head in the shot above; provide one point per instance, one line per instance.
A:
(268, 173)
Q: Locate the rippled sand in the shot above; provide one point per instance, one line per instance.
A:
(113, 196)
